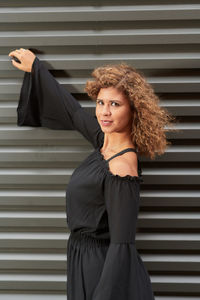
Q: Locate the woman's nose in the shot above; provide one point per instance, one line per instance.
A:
(106, 110)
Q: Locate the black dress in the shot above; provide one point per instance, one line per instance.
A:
(102, 208)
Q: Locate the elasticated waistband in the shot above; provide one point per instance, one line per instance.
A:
(82, 238)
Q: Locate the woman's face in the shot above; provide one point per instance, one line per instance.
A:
(113, 106)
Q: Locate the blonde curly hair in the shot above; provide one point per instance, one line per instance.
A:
(149, 119)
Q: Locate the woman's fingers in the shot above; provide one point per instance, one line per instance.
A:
(14, 53)
(26, 58)
(18, 56)
(17, 52)
(17, 65)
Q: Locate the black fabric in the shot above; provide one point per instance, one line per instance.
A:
(102, 208)
(44, 102)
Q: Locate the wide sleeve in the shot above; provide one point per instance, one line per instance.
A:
(44, 102)
(124, 276)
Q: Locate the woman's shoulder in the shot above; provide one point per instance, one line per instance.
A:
(126, 164)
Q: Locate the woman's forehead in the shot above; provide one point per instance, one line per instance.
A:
(111, 92)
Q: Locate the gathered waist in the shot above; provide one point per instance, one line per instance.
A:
(83, 238)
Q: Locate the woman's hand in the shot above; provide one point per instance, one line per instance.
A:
(26, 58)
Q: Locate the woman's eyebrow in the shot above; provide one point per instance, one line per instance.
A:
(111, 100)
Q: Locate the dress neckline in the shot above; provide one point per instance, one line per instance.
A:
(138, 178)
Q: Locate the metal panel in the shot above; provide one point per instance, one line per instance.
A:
(160, 38)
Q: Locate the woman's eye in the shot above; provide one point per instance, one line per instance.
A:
(116, 103)
(100, 102)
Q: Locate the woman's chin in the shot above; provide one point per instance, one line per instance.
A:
(106, 130)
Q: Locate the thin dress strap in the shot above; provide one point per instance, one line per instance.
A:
(126, 150)
(122, 152)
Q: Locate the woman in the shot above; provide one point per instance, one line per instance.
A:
(103, 195)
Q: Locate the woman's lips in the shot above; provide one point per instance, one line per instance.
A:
(106, 123)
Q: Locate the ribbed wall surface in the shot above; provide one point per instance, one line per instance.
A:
(161, 39)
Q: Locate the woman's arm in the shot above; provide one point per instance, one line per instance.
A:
(44, 102)
(124, 274)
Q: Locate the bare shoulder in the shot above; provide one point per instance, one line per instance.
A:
(125, 164)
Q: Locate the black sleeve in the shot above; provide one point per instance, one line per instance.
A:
(124, 275)
(44, 102)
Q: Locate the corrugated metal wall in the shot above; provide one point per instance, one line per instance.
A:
(162, 39)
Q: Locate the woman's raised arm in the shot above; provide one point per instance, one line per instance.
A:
(44, 102)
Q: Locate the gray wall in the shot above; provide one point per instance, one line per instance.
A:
(160, 38)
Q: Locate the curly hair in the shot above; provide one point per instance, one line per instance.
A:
(149, 118)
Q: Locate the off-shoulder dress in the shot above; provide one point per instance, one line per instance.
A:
(102, 208)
